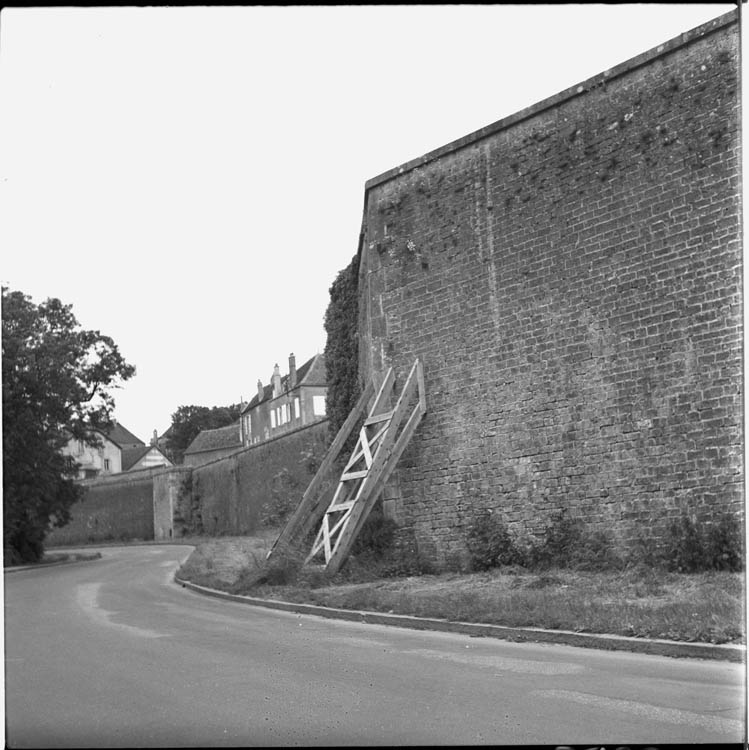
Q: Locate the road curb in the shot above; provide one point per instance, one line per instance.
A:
(659, 647)
(36, 566)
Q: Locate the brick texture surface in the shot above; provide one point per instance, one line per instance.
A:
(572, 283)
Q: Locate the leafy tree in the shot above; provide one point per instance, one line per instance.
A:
(188, 421)
(342, 346)
(56, 381)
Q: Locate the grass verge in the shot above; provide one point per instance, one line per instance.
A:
(641, 602)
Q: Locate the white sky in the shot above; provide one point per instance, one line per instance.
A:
(191, 179)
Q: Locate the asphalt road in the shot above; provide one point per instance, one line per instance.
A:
(113, 653)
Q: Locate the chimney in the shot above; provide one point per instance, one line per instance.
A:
(155, 438)
(292, 371)
(276, 381)
(260, 392)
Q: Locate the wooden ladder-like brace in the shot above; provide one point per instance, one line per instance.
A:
(312, 506)
(381, 443)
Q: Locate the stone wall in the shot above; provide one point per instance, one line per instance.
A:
(571, 278)
(166, 491)
(231, 495)
(114, 508)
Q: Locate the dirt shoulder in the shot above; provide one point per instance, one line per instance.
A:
(645, 602)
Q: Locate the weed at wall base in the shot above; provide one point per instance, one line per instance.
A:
(568, 543)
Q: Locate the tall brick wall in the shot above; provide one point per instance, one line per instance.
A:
(113, 508)
(571, 279)
(229, 494)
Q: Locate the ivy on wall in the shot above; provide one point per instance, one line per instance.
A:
(342, 346)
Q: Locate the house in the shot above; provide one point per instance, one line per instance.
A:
(107, 458)
(162, 441)
(143, 457)
(287, 402)
(209, 445)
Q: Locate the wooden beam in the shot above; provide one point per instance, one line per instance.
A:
(310, 508)
(386, 456)
(354, 475)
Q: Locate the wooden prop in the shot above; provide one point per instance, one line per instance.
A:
(311, 506)
(377, 451)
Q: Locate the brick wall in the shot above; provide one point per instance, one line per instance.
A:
(229, 494)
(570, 277)
(117, 507)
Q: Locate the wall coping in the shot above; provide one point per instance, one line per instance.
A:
(555, 100)
(123, 476)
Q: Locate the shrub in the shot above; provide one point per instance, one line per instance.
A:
(188, 514)
(283, 501)
(568, 543)
(724, 544)
(490, 544)
(376, 535)
(691, 547)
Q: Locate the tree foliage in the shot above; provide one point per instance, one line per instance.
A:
(188, 421)
(56, 386)
(342, 346)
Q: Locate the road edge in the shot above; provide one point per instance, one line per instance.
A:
(658, 647)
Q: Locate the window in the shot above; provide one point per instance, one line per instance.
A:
(286, 413)
(318, 405)
(106, 464)
(297, 409)
(273, 418)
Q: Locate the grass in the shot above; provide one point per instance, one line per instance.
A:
(638, 601)
(218, 562)
(60, 557)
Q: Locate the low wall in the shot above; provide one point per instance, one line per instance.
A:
(117, 507)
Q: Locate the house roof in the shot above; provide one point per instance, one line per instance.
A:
(121, 436)
(211, 440)
(131, 456)
(312, 372)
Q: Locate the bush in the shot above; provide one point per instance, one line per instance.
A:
(691, 548)
(490, 544)
(376, 535)
(724, 545)
(285, 496)
(569, 543)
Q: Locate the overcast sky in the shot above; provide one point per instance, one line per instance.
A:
(191, 180)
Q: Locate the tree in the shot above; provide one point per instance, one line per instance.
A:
(56, 381)
(188, 421)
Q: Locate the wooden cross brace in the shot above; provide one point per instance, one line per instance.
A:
(382, 440)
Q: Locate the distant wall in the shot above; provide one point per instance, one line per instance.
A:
(116, 507)
(199, 458)
(228, 495)
(167, 486)
(571, 279)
